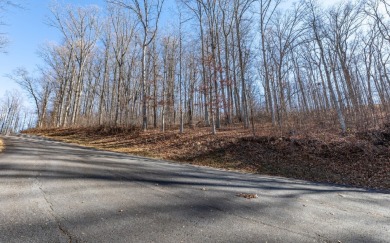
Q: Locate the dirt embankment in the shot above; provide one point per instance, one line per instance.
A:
(361, 159)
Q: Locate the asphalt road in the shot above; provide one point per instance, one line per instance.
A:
(54, 192)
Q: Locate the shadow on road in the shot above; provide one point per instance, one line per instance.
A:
(100, 195)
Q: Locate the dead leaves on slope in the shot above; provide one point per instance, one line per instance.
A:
(321, 157)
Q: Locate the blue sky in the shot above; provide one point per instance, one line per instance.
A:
(26, 30)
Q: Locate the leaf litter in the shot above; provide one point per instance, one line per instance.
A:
(357, 159)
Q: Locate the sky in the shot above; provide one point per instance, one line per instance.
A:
(27, 31)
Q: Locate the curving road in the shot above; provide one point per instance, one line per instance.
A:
(55, 192)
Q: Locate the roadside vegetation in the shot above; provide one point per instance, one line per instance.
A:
(357, 159)
(1, 145)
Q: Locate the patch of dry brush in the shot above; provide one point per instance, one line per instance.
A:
(361, 159)
(1, 145)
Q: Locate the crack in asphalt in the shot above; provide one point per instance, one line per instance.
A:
(61, 228)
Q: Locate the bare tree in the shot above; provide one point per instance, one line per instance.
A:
(80, 29)
(38, 89)
(148, 14)
(197, 8)
(315, 23)
(286, 34)
(240, 9)
(379, 10)
(267, 10)
(123, 33)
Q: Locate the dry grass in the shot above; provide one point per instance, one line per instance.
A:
(1, 145)
(317, 155)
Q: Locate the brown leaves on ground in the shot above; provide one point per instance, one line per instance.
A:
(361, 159)
(1, 145)
(247, 195)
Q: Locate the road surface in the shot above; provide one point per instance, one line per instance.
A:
(54, 192)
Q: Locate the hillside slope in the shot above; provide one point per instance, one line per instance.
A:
(361, 160)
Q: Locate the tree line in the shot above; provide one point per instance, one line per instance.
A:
(221, 62)
(13, 116)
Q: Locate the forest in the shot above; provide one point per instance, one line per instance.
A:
(298, 90)
(213, 63)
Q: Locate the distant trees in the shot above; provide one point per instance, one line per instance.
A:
(38, 90)
(9, 113)
(223, 62)
(13, 117)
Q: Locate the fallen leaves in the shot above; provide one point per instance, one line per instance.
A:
(247, 195)
(321, 156)
(1, 145)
